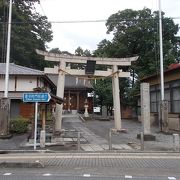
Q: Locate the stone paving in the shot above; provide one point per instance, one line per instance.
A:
(94, 137)
(164, 142)
(113, 162)
(94, 141)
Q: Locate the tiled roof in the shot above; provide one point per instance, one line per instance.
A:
(19, 70)
(72, 82)
(171, 68)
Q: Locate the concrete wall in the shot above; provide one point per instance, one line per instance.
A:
(174, 121)
(153, 119)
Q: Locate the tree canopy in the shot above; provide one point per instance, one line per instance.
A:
(30, 31)
(136, 33)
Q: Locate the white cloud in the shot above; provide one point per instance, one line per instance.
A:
(88, 35)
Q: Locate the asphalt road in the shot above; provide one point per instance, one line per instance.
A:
(93, 166)
(49, 176)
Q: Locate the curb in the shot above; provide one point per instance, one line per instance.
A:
(25, 151)
(82, 119)
(35, 164)
(75, 152)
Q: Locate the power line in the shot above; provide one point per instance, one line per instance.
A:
(90, 21)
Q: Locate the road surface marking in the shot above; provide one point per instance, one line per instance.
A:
(47, 174)
(86, 175)
(7, 174)
(128, 177)
(172, 178)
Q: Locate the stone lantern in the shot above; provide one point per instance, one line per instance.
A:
(86, 114)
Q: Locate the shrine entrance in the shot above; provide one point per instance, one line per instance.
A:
(88, 73)
(71, 101)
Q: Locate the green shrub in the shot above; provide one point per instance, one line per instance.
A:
(19, 125)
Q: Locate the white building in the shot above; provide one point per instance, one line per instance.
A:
(23, 80)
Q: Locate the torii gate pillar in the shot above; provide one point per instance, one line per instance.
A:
(116, 98)
(60, 93)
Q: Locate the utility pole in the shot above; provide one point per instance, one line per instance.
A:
(5, 102)
(161, 52)
(163, 114)
(8, 51)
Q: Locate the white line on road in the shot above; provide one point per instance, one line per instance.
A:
(47, 174)
(86, 175)
(172, 178)
(128, 177)
(7, 174)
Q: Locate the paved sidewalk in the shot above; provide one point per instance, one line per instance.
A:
(120, 160)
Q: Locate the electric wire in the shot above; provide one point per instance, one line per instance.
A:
(92, 21)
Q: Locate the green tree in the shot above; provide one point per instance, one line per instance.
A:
(80, 52)
(136, 33)
(30, 31)
(103, 89)
(55, 50)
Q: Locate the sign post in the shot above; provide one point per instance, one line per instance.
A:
(35, 124)
(36, 97)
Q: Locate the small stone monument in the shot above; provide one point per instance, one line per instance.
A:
(164, 121)
(42, 138)
(104, 112)
(4, 118)
(145, 113)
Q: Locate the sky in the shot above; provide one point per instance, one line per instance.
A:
(69, 36)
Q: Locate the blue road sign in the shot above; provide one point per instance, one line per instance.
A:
(36, 97)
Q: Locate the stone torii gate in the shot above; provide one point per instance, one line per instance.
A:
(63, 68)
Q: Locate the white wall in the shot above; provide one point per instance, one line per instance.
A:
(11, 83)
(1, 84)
(24, 83)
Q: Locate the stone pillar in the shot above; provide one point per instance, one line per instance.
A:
(60, 93)
(42, 138)
(164, 122)
(145, 112)
(4, 117)
(176, 142)
(43, 117)
(145, 108)
(77, 101)
(113, 92)
(116, 98)
(69, 101)
(43, 131)
(104, 111)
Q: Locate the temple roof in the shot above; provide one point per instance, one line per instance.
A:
(72, 82)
